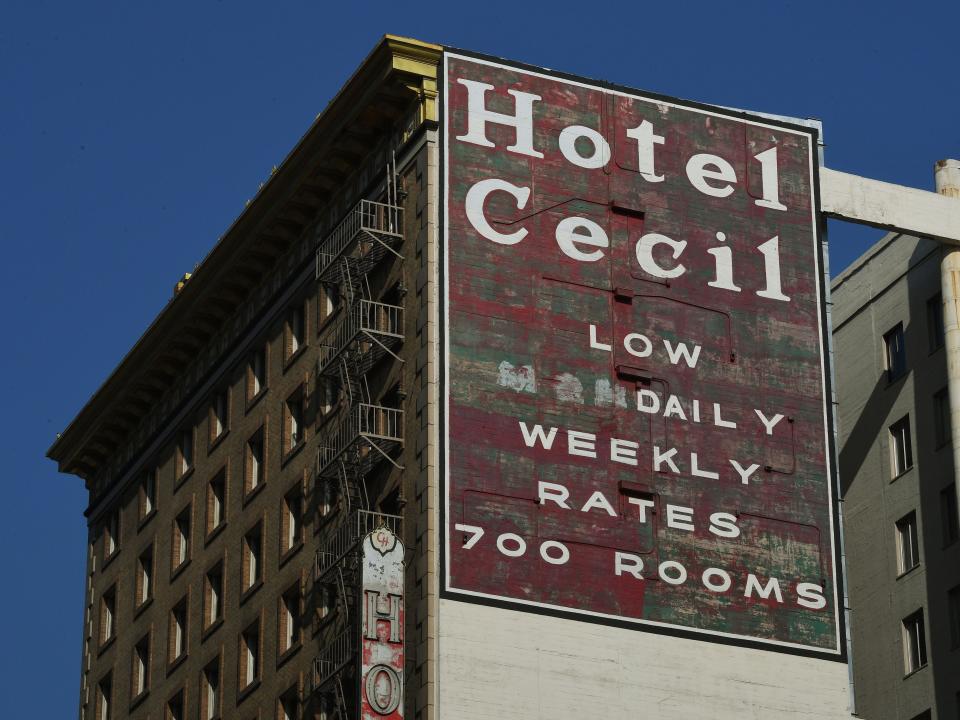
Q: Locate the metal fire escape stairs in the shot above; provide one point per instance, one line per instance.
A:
(364, 434)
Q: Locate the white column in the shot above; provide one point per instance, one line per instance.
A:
(947, 173)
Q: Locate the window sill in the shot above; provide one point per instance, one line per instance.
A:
(175, 573)
(254, 399)
(292, 452)
(109, 559)
(251, 494)
(290, 552)
(915, 671)
(328, 321)
(141, 607)
(135, 701)
(250, 591)
(893, 381)
(184, 476)
(213, 534)
(248, 690)
(214, 443)
(901, 474)
(292, 359)
(324, 418)
(319, 623)
(142, 523)
(106, 645)
(177, 662)
(211, 629)
(907, 571)
(284, 656)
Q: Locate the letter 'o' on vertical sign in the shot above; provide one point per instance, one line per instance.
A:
(382, 689)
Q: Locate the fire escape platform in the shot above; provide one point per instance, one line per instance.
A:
(368, 331)
(361, 240)
(367, 435)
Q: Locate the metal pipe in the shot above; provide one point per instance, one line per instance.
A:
(947, 175)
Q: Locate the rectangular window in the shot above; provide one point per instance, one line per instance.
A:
(252, 557)
(140, 675)
(108, 614)
(255, 471)
(948, 514)
(176, 707)
(185, 452)
(291, 513)
(144, 579)
(326, 599)
(901, 451)
(328, 300)
(295, 330)
(213, 595)
(111, 535)
(914, 642)
(941, 418)
(288, 632)
(210, 691)
(288, 705)
(249, 655)
(293, 420)
(105, 698)
(908, 543)
(326, 501)
(935, 322)
(328, 392)
(178, 631)
(181, 538)
(148, 493)
(219, 415)
(216, 501)
(895, 353)
(257, 373)
(953, 602)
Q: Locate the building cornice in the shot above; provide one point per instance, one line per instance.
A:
(394, 86)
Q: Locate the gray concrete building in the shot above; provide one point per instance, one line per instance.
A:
(897, 482)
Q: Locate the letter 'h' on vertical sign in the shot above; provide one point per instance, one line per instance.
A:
(382, 656)
(382, 608)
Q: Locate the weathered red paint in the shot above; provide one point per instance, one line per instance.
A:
(518, 349)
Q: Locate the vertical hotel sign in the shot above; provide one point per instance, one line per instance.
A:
(381, 642)
(636, 426)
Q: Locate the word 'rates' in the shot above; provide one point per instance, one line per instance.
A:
(635, 425)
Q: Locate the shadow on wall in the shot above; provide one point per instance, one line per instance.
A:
(874, 419)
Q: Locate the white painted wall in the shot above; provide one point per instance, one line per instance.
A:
(501, 664)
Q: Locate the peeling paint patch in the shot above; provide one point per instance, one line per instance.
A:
(603, 394)
(569, 388)
(520, 378)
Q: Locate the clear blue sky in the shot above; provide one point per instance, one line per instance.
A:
(132, 133)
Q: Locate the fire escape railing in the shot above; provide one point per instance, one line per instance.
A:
(371, 328)
(369, 230)
(371, 427)
(345, 538)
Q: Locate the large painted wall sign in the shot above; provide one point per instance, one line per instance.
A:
(636, 425)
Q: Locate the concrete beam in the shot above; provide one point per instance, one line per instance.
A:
(889, 207)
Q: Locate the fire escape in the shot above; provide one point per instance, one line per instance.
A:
(362, 437)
